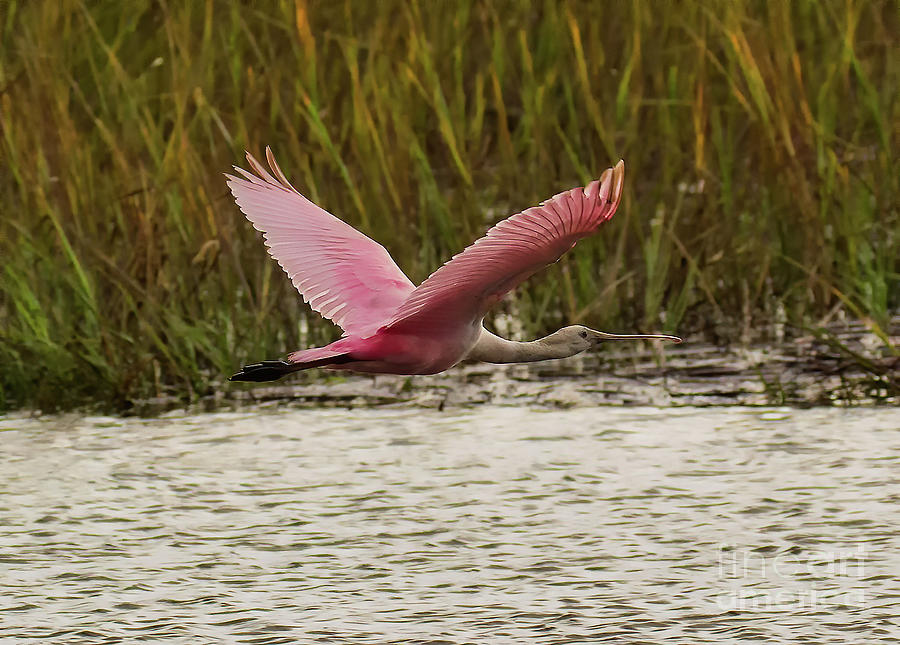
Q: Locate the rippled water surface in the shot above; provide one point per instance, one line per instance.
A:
(491, 525)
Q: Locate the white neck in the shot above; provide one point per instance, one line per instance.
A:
(490, 348)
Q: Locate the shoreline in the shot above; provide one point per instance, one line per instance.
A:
(842, 365)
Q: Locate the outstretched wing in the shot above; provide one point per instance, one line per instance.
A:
(344, 275)
(467, 286)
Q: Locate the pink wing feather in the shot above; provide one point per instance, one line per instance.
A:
(344, 275)
(467, 286)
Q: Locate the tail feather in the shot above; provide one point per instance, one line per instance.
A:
(275, 369)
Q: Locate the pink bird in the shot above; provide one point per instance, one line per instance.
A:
(390, 325)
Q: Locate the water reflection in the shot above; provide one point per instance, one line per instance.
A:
(497, 524)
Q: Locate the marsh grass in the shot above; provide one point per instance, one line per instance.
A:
(760, 142)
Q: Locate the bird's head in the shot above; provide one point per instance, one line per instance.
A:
(579, 338)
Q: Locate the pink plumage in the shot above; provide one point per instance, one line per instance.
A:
(345, 276)
(468, 285)
(391, 326)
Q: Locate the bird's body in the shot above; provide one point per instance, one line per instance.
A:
(405, 352)
(391, 326)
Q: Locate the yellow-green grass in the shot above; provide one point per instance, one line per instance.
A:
(760, 140)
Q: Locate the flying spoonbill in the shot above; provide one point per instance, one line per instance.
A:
(390, 325)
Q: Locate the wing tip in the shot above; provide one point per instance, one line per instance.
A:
(618, 180)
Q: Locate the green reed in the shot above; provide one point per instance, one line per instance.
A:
(759, 138)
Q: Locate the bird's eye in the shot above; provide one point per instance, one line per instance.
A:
(583, 334)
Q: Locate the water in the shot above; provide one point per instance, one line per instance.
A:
(489, 525)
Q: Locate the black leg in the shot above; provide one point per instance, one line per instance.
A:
(265, 371)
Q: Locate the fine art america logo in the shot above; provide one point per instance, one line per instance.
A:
(760, 580)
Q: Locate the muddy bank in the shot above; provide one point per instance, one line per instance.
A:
(844, 365)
